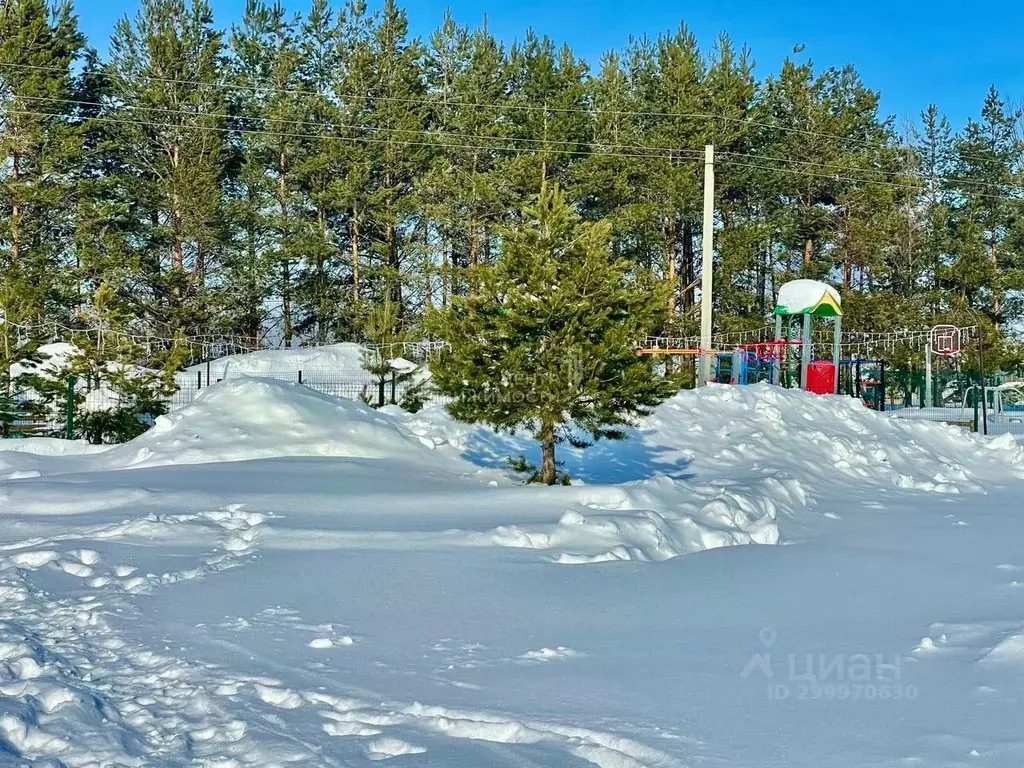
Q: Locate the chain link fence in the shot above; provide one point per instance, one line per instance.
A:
(62, 411)
(991, 404)
(352, 383)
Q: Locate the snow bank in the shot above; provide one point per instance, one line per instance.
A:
(720, 465)
(653, 520)
(388, 602)
(36, 456)
(719, 429)
(53, 359)
(255, 418)
(715, 467)
(49, 446)
(831, 439)
(331, 357)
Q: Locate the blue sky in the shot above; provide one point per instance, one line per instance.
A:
(913, 51)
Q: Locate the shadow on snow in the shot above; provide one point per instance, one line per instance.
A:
(605, 462)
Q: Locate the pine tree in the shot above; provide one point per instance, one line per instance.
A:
(443, 199)
(826, 128)
(462, 193)
(545, 340)
(988, 156)
(740, 281)
(608, 182)
(385, 334)
(123, 395)
(397, 115)
(935, 156)
(262, 195)
(353, 162)
(40, 149)
(108, 230)
(546, 115)
(324, 307)
(166, 112)
(20, 339)
(677, 95)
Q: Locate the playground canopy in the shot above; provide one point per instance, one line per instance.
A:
(808, 297)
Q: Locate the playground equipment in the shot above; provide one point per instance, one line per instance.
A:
(792, 352)
(753, 362)
(864, 378)
(806, 300)
(1002, 399)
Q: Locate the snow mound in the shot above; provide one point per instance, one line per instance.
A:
(652, 520)
(49, 446)
(256, 418)
(825, 439)
(723, 431)
(720, 466)
(34, 456)
(333, 357)
(53, 358)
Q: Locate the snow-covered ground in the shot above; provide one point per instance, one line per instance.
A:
(275, 577)
(343, 357)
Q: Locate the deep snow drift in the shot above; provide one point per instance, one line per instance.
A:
(275, 577)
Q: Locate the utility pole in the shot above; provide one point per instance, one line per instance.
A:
(707, 264)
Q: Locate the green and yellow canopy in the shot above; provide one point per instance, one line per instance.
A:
(808, 297)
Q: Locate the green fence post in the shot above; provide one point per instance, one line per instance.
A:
(69, 408)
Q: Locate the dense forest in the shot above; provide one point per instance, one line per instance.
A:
(279, 178)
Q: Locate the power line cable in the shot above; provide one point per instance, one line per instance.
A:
(508, 105)
(543, 143)
(354, 139)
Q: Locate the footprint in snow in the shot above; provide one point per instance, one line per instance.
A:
(550, 654)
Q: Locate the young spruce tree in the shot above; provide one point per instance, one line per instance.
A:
(544, 339)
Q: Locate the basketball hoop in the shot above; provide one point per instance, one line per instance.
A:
(945, 340)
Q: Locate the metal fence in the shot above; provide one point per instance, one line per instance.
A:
(992, 404)
(955, 396)
(353, 383)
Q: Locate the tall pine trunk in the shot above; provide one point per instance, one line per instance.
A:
(394, 264)
(286, 302)
(177, 217)
(688, 266)
(200, 273)
(16, 211)
(286, 278)
(996, 303)
(547, 450)
(252, 313)
(428, 293)
(444, 270)
(354, 245)
(670, 267)
(323, 306)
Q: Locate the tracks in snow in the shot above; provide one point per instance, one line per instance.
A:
(75, 693)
